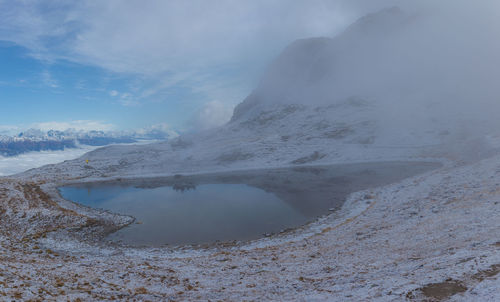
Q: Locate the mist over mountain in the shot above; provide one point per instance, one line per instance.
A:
(416, 78)
(392, 86)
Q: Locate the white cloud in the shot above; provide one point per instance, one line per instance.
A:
(168, 43)
(127, 99)
(9, 130)
(48, 80)
(213, 114)
(165, 43)
(81, 84)
(23, 162)
(163, 127)
(154, 37)
(84, 125)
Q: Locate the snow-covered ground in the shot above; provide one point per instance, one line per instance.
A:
(433, 235)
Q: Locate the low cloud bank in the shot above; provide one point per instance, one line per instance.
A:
(23, 162)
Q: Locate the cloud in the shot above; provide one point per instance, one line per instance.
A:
(23, 162)
(216, 49)
(160, 36)
(162, 127)
(48, 80)
(81, 84)
(9, 130)
(166, 43)
(84, 125)
(127, 99)
(213, 114)
(422, 72)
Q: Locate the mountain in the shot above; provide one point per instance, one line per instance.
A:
(364, 95)
(52, 140)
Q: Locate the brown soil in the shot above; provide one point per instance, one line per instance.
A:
(443, 290)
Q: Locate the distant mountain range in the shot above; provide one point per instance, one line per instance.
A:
(52, 140)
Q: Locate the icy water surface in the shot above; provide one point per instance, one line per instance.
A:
(232, 206)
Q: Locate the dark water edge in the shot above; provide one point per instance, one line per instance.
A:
(242, 205)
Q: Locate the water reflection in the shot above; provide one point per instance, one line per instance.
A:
(233, 206)
(183, 187)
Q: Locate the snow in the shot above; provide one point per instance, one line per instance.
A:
(384, 244)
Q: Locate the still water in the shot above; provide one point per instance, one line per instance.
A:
(232, 206)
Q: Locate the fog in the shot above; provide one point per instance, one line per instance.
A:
(418, 62)
(17, 164)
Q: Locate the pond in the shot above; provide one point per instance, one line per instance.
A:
(235, 205)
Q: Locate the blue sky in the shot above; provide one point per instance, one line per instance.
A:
(33, 91)
(130, 64)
